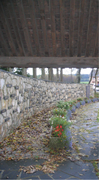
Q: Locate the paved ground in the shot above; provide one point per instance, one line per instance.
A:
(79, 164)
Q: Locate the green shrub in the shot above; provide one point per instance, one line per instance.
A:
(55, 120)
(64, 105)
(79, 99)
(59, 112)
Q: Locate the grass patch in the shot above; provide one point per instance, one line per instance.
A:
(96, 95)
(95, 165)
(84, 82)
(98, 116)
(76, 148)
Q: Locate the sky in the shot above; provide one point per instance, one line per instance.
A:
(65, 71)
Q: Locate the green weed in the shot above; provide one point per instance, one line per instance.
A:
(96, 167)
(59, 112)
(98, 116)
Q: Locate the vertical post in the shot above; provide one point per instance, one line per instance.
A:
(96, 79)
(24, 71)
(71, 75)
(57, 78)
(43, 73)
(34, 72)
(10, 69)
(88, 91)
(78, 75)
(61, 75)
(50, 74)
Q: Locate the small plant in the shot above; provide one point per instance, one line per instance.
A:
(98, 116)
(58, 131)
(57, 120)
(91, 97)
(36, 157)
(64, 105)
(59, 112)
(79, 99)
(74, 102)
(85, 98)
(96, 95)
(95, 164)
(58, 138)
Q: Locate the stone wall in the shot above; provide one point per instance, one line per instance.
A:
(21, 97)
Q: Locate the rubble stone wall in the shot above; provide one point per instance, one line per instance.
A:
(21, 97)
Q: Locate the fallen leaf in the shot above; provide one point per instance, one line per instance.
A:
(85, 169)
(95, 154)
(81, 174)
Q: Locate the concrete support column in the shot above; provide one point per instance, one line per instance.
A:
(34, 72)
(10, 69)
(61, 75)
(50, 74)
(43, 73)
(24, 71)
(57, 77)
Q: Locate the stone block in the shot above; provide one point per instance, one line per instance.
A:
(26, 90)
(3, 111)
(6, 97)
(30, 107)
(20, 91)
(7, 119)
(73, 109)
(19, 102)
(16, 98)
(16, 87)
(2, 83)
(1, 130)
(82, 102)
(1, 119)
(8, 85)
(10, 107)
(15, 110)
(12, 95)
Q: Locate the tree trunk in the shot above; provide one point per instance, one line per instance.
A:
(96, 78)
(78, 75)
(91, 76)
